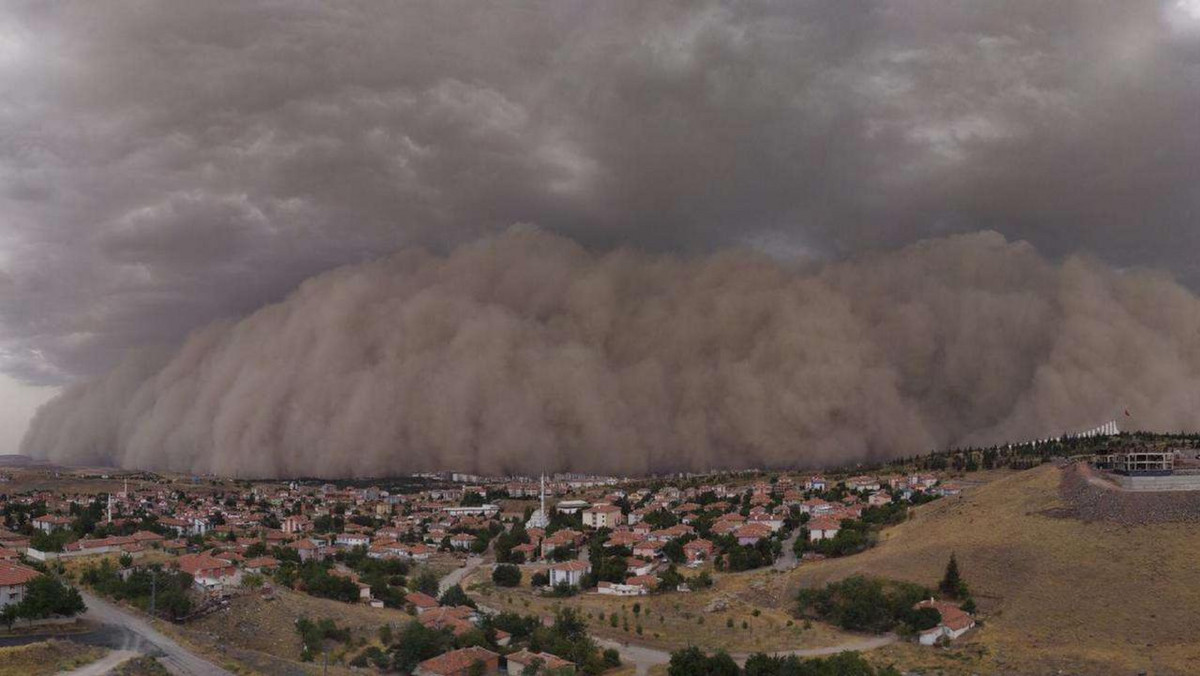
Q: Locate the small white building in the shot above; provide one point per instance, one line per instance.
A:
(955, 622)
(617, 589)
(569, 572)
(48, 523)
(823, 528)
(571, 506)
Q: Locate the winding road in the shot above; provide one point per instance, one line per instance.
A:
(142, 637)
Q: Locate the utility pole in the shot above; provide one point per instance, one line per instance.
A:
(153, 589)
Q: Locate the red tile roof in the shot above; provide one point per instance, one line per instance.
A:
(12, 574)
(457, 661)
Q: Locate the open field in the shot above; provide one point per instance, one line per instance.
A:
(261, 634)
(46, 657)
(676, 620)
(1055, 593)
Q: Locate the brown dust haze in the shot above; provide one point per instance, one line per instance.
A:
(525, 352)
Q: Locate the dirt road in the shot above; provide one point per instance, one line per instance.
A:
(105, 664)
(145, 638)
(644, 657)
(456, 576)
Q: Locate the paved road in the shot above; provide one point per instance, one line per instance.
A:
(145, 638)
(104, 665)
(644, 657)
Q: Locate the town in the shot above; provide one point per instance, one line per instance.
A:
(478, 564)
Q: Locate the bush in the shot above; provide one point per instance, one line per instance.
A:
(863, 604)
(539, 580)
(506, 575)
(455, 596)
(46, 596)
(564, 590)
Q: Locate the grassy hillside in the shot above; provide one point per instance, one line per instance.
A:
(1056, 594)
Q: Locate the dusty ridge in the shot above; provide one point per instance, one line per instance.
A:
(1090, 498)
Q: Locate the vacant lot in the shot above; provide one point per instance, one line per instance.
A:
(261, 634)
(719, 618)
(46, 657)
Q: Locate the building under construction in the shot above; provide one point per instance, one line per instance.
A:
(1138, 462)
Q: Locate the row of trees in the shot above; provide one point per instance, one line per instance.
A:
(567, 638)
(868, 604)
(695, 662)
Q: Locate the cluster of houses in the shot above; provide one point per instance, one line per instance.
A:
(461, 619)
(212, 529)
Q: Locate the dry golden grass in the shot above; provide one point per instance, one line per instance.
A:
(46, 657)
(676, 620)
(269, 626)
(1057, 595)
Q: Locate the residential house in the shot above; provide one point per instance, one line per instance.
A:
(208, 572)
(13, 578)
(569, 572)
(955, 622)
(752, 533)
(603, 516)
(823, 528)
(297, 524)
(48, 523)
(421, 602)
(462, 662)
(524, 661)
(698, 551)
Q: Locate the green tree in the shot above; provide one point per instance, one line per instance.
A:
(455, 596)
(46, 596)
(506, 575)
(952, 584)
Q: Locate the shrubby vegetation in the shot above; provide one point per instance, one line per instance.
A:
(314, 578)
(314, 634)
(567, 638)
(44, 596)
(506, 575)
(869, 604)
(170, 587)
(695, 662)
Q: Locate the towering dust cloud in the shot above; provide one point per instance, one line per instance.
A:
(524, 352)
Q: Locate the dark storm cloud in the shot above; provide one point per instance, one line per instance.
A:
(165, 165)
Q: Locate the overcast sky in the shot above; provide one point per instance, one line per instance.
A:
(166, 164)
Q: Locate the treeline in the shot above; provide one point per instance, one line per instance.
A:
(1027, 455)
(869, 604)
(566, 637)
(695, 662)
(168, 587)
